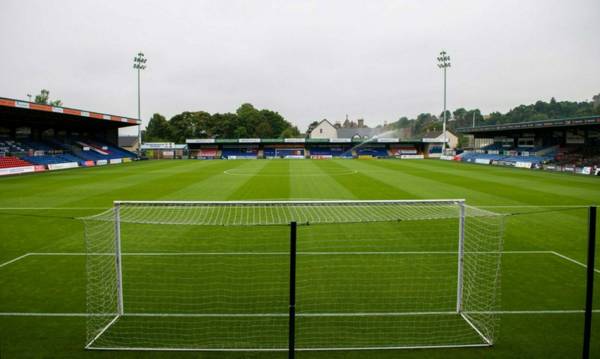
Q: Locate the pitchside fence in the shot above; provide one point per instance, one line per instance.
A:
(300, 275)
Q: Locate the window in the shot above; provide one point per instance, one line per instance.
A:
(320, 130)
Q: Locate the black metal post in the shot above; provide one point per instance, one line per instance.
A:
(589, 294)
(292, 315)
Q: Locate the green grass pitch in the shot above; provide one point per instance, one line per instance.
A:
(543, 278)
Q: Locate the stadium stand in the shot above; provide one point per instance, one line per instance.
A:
(330, 152)
(52, 159)
(403, 150)
(290, 152)
(378, 152)
(493, 147)
(240, 153)
(563, 144)
(9, 162)
(283, 152)
(435, 149)
(473, 157)
(208, 153)
(37, 137)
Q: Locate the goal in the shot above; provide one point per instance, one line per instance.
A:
(292, 275)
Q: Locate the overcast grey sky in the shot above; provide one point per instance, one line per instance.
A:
(307, 60)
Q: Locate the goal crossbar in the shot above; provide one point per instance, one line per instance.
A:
(253, 213)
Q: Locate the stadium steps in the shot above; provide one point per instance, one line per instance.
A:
(8, 162)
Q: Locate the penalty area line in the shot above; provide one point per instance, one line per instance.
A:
(15, 259)
(276, 253)
(273, 254)
(51, 208)
(572, 260)
(378, 314)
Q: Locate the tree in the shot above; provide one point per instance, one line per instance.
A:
(202, 125)
(44, 99)
(596, 99)
(423, 122)
(275, 121)
(182, 126)
(448, 115)
(459, 115)
(311, 127)
(240, 132)
(264, 130)
(158, 129)
(225, 125)
(249, 116)
(290, 132)
(247, 121)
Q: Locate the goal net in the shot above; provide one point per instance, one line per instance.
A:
(226, 275)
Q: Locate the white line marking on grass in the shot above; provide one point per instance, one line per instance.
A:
(38, 314)
(275, 253)
(232, 172)
(142, 254)
(103, 330)
(532, 206)
(15, 259)
(549, 311)
(573, 260)
(50, 208)
(375, 314)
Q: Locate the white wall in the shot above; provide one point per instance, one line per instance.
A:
(451, 138)
(324, 130)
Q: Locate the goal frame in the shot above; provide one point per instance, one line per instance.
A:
(460, 203)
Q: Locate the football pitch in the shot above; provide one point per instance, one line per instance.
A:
(43, 261)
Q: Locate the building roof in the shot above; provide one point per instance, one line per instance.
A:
(362, 132)
(319, 124)
(326, 120)
(127, 141)
(436, 134)
(269, 141)
(31, 106)
(533, 125)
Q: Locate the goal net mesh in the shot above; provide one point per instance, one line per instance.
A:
(216, 275)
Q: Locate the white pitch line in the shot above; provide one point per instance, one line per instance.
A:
(499, 312)
(557, 311)
(573, 260)
(149, 254)
(323, 349)
(532, 206)
(15, 259)
(50, 208)
(39, 314)
(274, 253)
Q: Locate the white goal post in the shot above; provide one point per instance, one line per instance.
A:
(292, 275)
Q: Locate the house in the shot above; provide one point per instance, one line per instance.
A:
(438, 137)
(324, 130)
(130, 143)
(358, 133)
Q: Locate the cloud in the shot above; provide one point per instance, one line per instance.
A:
(307, 60)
